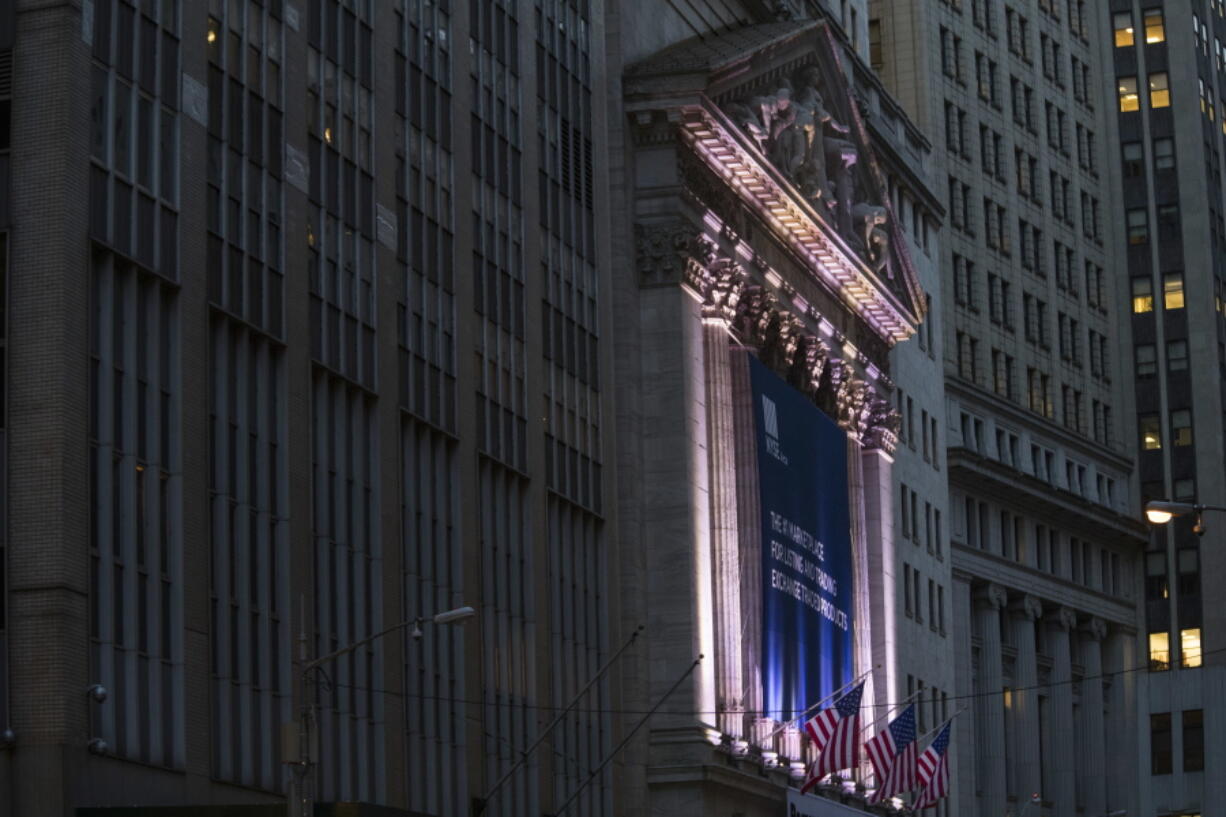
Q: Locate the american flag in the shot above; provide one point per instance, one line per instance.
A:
(892, 753)
(934, 771)
(836, 734)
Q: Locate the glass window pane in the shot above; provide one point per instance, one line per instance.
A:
(1129, 101)
(1151, 432)
(1155, 32)
(1142, 295)
(1159, 651)
(1172, 290)
(1189, 647)
(1123, 30)
(1159, 90)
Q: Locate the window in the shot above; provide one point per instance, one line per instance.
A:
(1181, 427)
(1129, 101)
(1159, 90)
(1172, 290)
(1194, 740)
(1184, 489)
(1155, 32)
(1134, 159)
(1176, 356)
(1189, 647)
(1159, 652)
(1160, 743)
(1164, 154)
(1123, 30)
(1151, 432)
(1138, 226)
(1147, 360)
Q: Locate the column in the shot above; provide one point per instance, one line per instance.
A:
(1122, 730)
(965, 761)
(1062, 763)
(990, 712)
(718, 310)
(1091, 743)
(1023, 614)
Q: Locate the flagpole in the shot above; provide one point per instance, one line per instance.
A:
(944, 723)
(827, 699)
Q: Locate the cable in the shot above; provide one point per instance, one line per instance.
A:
(703, 712)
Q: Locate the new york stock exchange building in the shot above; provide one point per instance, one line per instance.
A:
(772, 280)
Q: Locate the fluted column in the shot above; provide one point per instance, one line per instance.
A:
(990, 716)
(1091, 728)
(1063, 760)
(719, 307)
(1027, 766)
(966, 760)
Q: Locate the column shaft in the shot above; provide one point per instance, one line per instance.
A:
(1027, 766)
(726, 563)
(990, 713)
(1091, 727)
(1062, 762)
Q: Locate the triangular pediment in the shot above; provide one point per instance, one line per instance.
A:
(780, 91)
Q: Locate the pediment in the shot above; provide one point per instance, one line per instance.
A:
(772, 103)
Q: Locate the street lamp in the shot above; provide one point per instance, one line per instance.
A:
(307, 712)
(1160, 511)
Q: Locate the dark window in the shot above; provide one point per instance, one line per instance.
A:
(1193, 740)
(1160, 743)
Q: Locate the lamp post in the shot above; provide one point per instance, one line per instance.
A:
(1160, 511)
(306, 715)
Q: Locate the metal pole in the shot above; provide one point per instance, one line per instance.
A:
(827, 699)
(627, 738)
(545, 732)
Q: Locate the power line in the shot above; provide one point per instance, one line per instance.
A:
(704, 712)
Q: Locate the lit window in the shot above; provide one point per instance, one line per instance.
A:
(1147, 360)
(1138, 226)
(1129, 101)
(1172, 290)
(1142, 295)
(1189, 647)
(1151, 432)
(1159, 90)
(1123, 30)
(1155, 32)
(1181, 427)
(1159, 651)
(1164, 154)
(1177, 356)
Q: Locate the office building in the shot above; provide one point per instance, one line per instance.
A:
(1165, 92)
(1046, 546)
(306, 333)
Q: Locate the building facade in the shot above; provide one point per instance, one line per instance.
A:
(1046, 549)
(1165, 63)
(312, 300)
(744, 250)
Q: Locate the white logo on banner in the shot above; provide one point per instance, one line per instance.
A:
(770, 419)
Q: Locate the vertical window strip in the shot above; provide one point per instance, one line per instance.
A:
(136, 546)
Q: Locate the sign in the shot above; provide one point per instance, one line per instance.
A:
(808, 805)
(806, 547)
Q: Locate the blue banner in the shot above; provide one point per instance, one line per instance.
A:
(806, 547)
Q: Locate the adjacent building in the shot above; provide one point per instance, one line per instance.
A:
(1165, 90)
(309, 305)
(1046, 550)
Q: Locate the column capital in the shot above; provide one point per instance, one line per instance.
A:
(1094, 628)
(1063, 618)
(721, 284)
(1027, 606)
(992, 595)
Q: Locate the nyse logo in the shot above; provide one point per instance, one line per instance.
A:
(770, 419)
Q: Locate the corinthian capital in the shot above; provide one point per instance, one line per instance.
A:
(883, 424)
(725, 282)
(672, 252)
